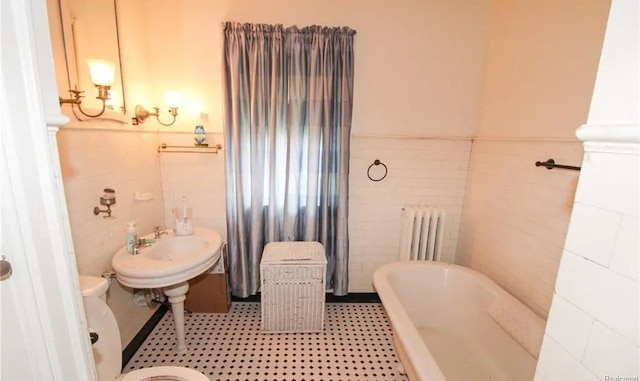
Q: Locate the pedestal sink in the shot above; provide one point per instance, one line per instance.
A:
(169, 263)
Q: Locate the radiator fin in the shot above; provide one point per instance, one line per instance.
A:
(422, 233)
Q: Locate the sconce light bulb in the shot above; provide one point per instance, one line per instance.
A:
(173, 98)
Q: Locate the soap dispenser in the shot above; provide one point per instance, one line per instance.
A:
(131, 238)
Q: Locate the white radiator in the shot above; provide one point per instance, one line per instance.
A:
(422, 233)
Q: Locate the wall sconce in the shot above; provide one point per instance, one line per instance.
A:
(102, 73)
(108, 198)
(173, 100)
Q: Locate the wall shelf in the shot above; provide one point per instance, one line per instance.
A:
(165, 148)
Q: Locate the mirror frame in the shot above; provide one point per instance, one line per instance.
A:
(70, 55)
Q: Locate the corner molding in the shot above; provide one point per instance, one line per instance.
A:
(56, 120)
(621, 133)
(50, 306)
(619, 139)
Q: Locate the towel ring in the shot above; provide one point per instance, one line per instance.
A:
(377, 162)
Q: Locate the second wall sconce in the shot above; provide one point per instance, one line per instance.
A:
(102, 73)
(173, 100)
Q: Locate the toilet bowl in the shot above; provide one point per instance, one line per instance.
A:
(107, 351)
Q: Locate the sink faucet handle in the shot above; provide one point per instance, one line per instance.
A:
(158, 232)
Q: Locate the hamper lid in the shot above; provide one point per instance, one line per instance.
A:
(294, 253)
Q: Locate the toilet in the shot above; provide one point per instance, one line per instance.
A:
(107, 351)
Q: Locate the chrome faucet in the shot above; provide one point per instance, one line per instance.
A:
(157, 232)
(141, 243)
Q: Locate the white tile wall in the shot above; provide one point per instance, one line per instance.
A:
(620, 177)
(555, 364)
(199, 177)
(624, 259)
(609, 354)
(599, 247)
(598, 278)
(516, 215)
(420, 172)
(570, 326)
(604, 294)
(125, 161)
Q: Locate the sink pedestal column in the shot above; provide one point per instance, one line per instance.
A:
(177, 295)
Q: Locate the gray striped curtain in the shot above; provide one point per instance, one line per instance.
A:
(288, 96)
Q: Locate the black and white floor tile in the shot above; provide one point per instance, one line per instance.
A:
(356, 344)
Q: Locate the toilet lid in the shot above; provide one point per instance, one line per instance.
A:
(165, 373)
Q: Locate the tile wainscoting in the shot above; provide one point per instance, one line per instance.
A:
(125, 160)
(516, 215)
(420, 172)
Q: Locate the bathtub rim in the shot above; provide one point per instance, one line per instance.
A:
(420, 357)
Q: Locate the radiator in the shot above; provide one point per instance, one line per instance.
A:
(422, 233)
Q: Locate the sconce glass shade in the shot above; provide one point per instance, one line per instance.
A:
(173, 98)
(102, 72)
(102, 75)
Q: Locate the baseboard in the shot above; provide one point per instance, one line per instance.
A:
(142, 335)
(354, 297)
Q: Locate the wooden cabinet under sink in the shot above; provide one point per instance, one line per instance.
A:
(210, 292)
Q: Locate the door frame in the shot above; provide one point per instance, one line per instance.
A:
(36, 233)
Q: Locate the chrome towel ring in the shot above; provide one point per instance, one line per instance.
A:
(376, 163)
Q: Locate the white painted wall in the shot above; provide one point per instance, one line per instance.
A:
(541, 62)
(418, 64)
(592, 331)
(542, 58)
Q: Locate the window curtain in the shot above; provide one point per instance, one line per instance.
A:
(288, 95)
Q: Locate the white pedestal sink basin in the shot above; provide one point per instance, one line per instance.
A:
(168, 264)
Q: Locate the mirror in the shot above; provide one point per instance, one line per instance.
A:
(90, 31)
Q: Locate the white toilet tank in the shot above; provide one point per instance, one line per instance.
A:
(107, 351)
(94, 286)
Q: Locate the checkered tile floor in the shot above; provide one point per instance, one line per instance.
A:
(356, 344)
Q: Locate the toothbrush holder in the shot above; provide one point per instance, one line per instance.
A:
(183, 218)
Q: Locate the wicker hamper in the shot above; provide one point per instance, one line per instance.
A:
(293, 278)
